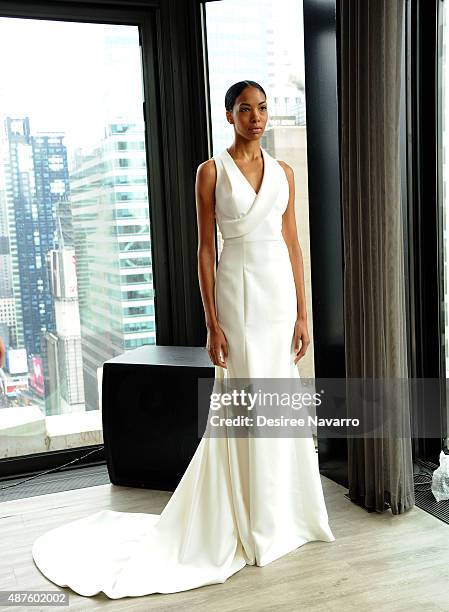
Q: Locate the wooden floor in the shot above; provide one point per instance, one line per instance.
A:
(378, 562)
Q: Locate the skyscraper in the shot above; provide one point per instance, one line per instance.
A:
(111, 228)
(38, 180)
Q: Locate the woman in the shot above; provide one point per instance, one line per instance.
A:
(246, 110)
(242, 500)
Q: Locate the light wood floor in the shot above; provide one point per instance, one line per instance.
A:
(378, 562)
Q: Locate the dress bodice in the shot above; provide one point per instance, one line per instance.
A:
(242, 214)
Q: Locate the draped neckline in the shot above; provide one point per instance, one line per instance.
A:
(239, 171)
(244, 212)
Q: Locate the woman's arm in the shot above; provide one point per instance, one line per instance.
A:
(290, 235)
(205, 209)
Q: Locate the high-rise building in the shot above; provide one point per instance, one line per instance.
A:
(111, 229)
(7, 303)
(38, 180)
(65, 386)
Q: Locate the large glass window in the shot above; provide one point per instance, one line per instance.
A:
(254, 40)
(75, 261)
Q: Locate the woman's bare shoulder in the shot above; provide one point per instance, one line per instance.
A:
(288, 169)
(207, 171)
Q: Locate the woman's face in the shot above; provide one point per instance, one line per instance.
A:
(249, 115)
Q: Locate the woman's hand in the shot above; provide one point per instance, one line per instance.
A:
(217, 346)
(302, 334)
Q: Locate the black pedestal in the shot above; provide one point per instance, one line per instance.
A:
(150, 414)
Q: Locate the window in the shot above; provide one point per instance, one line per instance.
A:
(62, 189)
(270, 52)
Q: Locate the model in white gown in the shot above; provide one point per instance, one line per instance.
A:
(241, 500)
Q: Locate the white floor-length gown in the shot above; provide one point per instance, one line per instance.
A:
(241, 500)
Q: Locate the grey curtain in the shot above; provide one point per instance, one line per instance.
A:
(380, 467)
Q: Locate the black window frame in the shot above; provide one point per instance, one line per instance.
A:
(424, 230)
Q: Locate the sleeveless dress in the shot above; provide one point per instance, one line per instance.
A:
(241, 501)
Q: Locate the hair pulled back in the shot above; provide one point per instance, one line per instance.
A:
(236, 89)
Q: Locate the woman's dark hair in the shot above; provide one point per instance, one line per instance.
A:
(235, 90)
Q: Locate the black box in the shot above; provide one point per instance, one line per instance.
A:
(150, 414)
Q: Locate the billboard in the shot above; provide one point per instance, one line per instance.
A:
(37, 375)
(16, 361)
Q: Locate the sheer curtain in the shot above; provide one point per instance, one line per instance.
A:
(380, 468)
